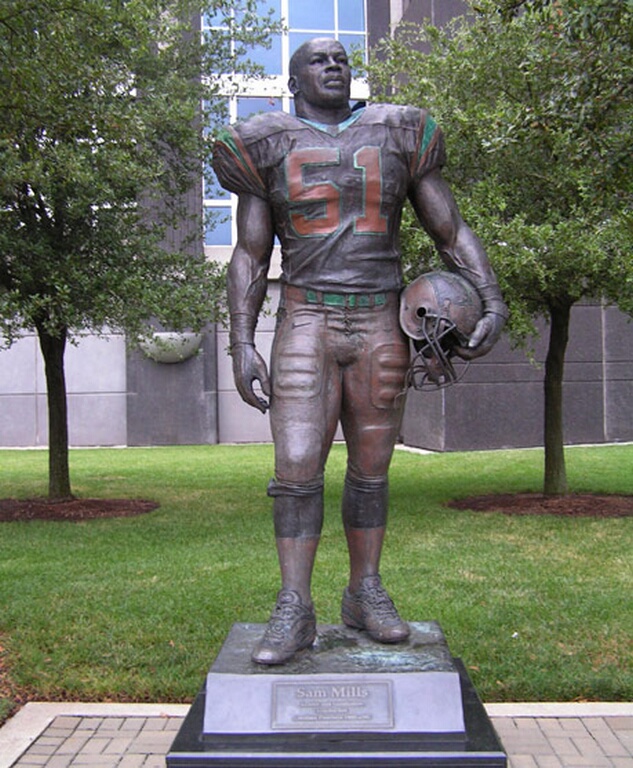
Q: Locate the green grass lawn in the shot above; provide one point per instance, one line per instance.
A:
(538, 608)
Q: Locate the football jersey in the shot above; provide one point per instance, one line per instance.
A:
(336, 192)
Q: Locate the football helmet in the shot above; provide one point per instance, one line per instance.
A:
(438, 311)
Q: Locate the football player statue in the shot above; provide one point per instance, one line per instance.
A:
(331, 183)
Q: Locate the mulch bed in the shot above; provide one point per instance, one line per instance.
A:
(570, 505)
(12, 510)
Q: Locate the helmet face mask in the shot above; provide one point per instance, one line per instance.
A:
(438, 311)
(432, 366)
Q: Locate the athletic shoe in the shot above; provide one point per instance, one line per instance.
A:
(371, 609)
(292, 627)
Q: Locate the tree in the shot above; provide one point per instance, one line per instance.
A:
(535, 100)
(100, 140)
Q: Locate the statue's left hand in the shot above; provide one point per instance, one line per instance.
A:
(484, 337)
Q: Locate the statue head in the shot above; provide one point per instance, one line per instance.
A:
(320, 79)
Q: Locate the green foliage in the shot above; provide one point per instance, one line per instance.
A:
(535, 100)
(538, 607)
(100, 141)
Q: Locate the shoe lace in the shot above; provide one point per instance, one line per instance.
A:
(283, 616)
(377, 597)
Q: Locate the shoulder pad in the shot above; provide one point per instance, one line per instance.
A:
(264, 125)
(396, 115)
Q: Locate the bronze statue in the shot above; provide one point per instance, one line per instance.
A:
(331, 183)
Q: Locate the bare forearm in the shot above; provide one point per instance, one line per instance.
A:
(460, 249)
(248, 271)
(465, 254)
(246, 283)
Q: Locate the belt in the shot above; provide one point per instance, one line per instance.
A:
(348, 300)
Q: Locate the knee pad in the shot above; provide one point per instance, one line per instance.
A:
(365, 502)
(297, 508)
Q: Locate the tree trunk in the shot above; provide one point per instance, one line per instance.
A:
(555, 472)
(53, 348)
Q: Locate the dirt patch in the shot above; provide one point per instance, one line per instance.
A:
(12, 510)
(570, 505)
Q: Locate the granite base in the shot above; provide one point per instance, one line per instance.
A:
(348, 701)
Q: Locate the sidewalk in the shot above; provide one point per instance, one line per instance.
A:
(140, 735)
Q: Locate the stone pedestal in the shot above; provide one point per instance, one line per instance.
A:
(348, 701)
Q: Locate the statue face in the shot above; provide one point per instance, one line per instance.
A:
(322, 74)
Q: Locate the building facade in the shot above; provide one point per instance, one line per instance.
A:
(119, 394)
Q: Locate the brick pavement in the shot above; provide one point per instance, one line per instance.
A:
(139, 736)
(567, 742)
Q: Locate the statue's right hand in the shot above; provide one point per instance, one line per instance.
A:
(248, 367)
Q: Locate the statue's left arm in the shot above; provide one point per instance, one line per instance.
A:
(462, 252)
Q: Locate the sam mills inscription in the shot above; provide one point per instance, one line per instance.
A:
(332, 705)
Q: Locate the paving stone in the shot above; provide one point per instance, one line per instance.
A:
(89, 723)
(505, 725)
(118, 745)
(548, 761)
(572, 724)
(30, 759)
(94, 746)
(54, 732)
(526, 724)
(626, 737)
(523, 761)
(538, 745)
(621, 723)
(111, 724)
(551, 725)
(133, 724)
(154, 762)
(563, 746)
(132, 761)
(41, 749)
(51, 741)
(154, 743)
(68, 721)
(60, 761)
(173, 723)
(143, 741)
(587, 745)
(609, 742)
(155, 724)
(621, 762)
(73, 744)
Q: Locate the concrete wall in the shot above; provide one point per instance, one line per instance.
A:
(173, 403)
(115, 396)
(499, 403)
(96, 384)
(237, 422)
(120, 397)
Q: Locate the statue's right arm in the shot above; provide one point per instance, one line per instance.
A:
(247, 283)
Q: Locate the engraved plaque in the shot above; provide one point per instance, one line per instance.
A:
(346, 704)
(414, 702)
